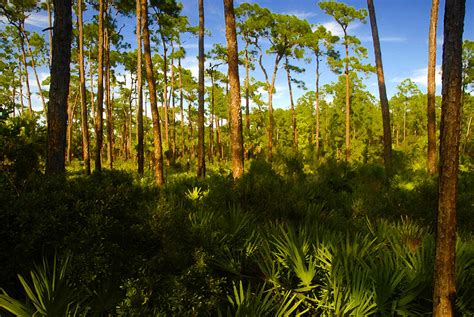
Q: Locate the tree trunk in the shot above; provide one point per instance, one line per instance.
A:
(445, 256)
(181, 107)
(292, 106)
(201, 164)
(108, 104)
(82, 92)
(159, 176)
(317, 105)
(70, 117)
(59, 88)
(247, 94)
(236, 139)
(172, 103)
(33, 65)
(140, 152)
(431, 159)
(165, 93)
(348, 103)
(50, 32)
(25, 65)
(387, 137)
(99, 122)
(211, 120)
(20, 76)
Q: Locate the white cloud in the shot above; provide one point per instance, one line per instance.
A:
(191, 63)
(301, 14)
(37, 19)
(420, 76)
(336, 29)
(386, 39)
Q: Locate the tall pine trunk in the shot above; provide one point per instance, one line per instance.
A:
(99, 121)
(82, 92)
(158, 151)
(444, 293)
(201, 164)
(317, 105)
(236, 139)
(59, 88)
(140, 152)
(348, 102)
(431, 157)
(108, 104)
(387, 137)
(292, 106)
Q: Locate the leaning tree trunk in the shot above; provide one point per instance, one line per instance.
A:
(25, 65)
(387, 137)
(82, 87)
(140, 152)
(431, 159)
(59, 88)
(236, 139)
(158, 152)
(445, 256)
(292, 106)
(201, 164)
(99, 121)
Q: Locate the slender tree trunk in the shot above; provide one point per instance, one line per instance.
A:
(59, 88)
(140, 153)
(247, 94)
(20, 76)
(201, 164)
(181, 107)
(317, 105)
(70, 118)
(220, 150)
(172, 102)
(445, 257)
(99, 121)
(431, 160)
(387, 137)
(82, 87)
(404, 125)
(33, 65)
(165, 92)
(25, 65)
(292, 106)
(50, 32)
(348, 103)
(191, 132)
(211, 120)
(236, 139)
(108, 104)
(91, 79)
(159, 176)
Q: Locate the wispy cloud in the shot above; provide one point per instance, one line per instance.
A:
(386, 39)
(336, 29)
(420, 76)
(38, 20)
(301, 14)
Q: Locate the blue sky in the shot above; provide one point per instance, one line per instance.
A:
(403, 30)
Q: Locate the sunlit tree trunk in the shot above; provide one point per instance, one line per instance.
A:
(444, 293)
(431, 159)
(181, 107)
(165, 92)
(59, 88)
(236, 139)
(211, 119)
(50, 31)
(247, 94)
(348, 101)
(108, 104)
(99, 122)
(70, 121)
(25, 65)
(201, 164)
(158, 151)
(387, 137)
(140, 154)
(317, 105)
(20, 76)
(82, 92)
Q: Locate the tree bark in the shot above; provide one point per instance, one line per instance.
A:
(59, 88)
(25, 64)
(140, 153)
(108, 104)
(348, 103)
(387, 136)
(445, 256)
(70, 121)
(211, 119)
(431, 159)
(292, 106)
(165, 92)
(247, 94)
(158, 152)
(82, 92)
(181, 107)
(20, 76)
(201, 164)
(317, 105)
(50, 32)
(236, 139)
(99, 121)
